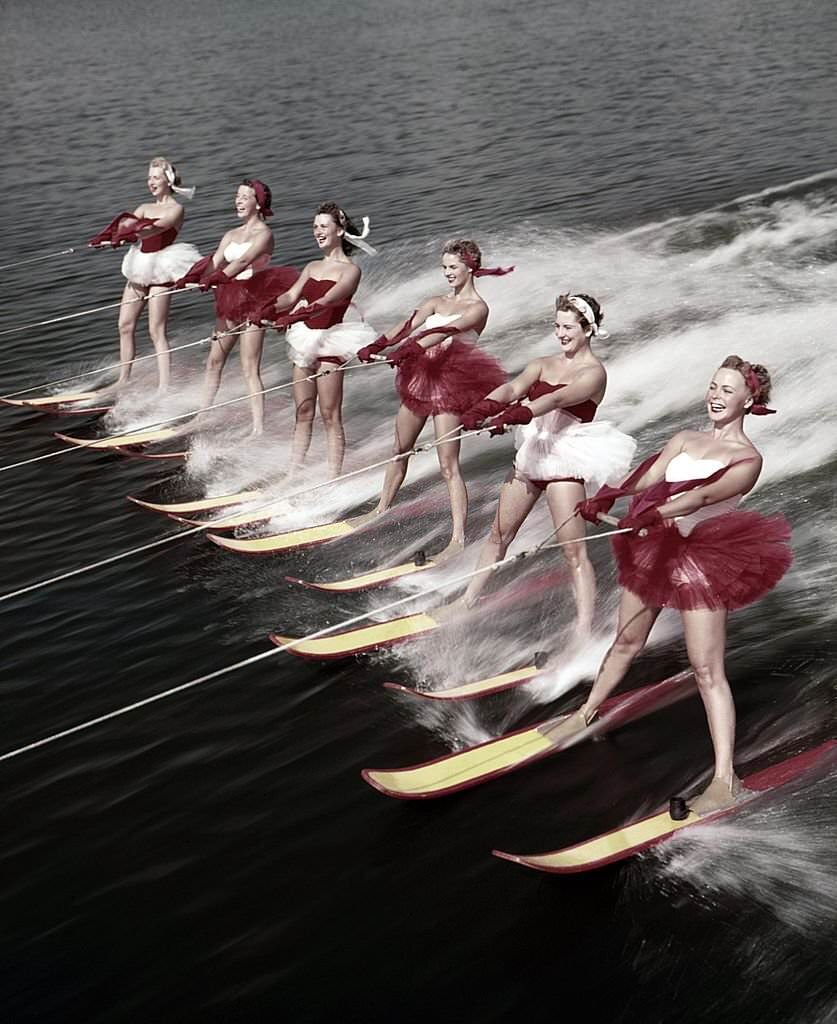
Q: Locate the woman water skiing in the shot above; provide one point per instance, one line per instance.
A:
(559, 448)
(317, 303)
(239, 273)
(692, 550)
(151, 266)
(441, 373)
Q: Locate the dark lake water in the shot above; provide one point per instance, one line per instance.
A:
(216, 856)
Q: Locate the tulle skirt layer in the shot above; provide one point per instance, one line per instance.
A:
(243, 299)
(450, 377)
(557, 445)
(163, 267)
(307, 346)
(727, 562)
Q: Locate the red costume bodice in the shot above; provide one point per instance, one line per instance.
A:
(312, 291)
(155, 243)
(584, 411)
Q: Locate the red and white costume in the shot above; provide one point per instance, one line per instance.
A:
(325, 337)
(565, 444)
(449, 377)
(716, 557)
(158, 259)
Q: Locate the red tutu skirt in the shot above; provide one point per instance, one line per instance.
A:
(240, 300)
(450, 377)
(727, 561)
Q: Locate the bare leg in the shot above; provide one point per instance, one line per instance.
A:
(216, 361)
(408, 426)
(563, 496)
(517, 499)
(305, 400)
(635, 622)
(448, 455)
(158, 315)
(252, 343)
(705, 632)
(129, 315)
(330, 394)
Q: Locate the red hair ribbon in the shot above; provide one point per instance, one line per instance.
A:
(264, 197)
(751, 379)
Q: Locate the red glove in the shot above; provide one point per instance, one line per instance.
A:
(284, 320)
(366, 353)
(512, 416)
(105, 236)
(590, 508)
(215, 278)
(407, 352)
(128, 229)
(474, 417)
(195, 272)
(650, 519)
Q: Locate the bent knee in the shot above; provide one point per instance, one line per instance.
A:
(576, 555)
(707, 675)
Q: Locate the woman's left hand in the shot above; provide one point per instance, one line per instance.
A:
(650, 519)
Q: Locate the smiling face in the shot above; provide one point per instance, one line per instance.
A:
(727, 397)
(327, 233)
(158, 185)
(246, 203)
(569, 332)
(455, 270)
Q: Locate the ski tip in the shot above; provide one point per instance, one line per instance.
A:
(401, 688)
(515, 858)
(372, 777)
(302, 583)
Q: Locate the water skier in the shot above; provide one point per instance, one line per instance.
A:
(441, 374)
(693, 550)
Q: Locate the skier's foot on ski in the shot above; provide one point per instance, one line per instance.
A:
(717, 796)
(572, 725)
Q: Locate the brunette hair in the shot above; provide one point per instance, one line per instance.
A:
(756, 377)
(563, 305)
(466, 249)
(342, 220)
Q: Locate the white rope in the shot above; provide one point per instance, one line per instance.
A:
(97, 441)
(519, 557)
(116, 366)
(216, 523)
(94, 309)
(36, 259)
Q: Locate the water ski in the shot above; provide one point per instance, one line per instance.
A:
(475, 765)
(263, 513)
(645, 833)
(179, 508)
(364, 638)
(468, 691)
(54, 403)
(406, 627)
(375, 578)
(120, 442)
(307, 537)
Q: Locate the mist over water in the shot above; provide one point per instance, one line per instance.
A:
(216, 856)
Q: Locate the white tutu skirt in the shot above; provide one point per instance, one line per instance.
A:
(557, 445)
(307, 346)
(163, 267)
